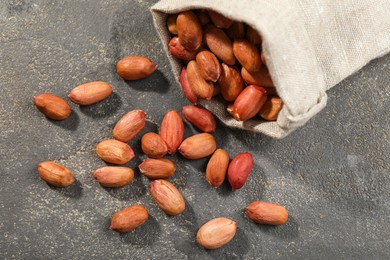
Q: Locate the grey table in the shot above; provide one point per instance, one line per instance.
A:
(332, 174)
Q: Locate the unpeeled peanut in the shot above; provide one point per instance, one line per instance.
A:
(247, 55)
(157, 168)
(267, 213)
(219, 43)
(153, 145)
(216, 233)
(171, 23)
(236, 31)
(185, 86)
(253, 36)
(260, 78)
(52, 106)
(167, 197)
(129, 218)
(217, 168)
(55, 174)
(198, 84)
(189, 30)
(208, 65)
(249, 102)
(135, 67)
(129, 125)
(200, 118)
(90, 93)
(172, 130)
(271, 108)
(203, 17)
(177, 50)
(114, 151)
(198, 146)
(113, 176)
(239, 170)
(230, 82)
(219, 20)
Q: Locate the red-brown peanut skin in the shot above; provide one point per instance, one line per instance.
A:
(129, 218)
(185, 86)
(219, 20)
(129, 125)
(153, 145)
(202, 88)
(172, 130)
(236, 31)
(135, 67)
(216, 233)
(203, 17)
(177, 50)
(90, 93)
(52, 106)
(189, 30)
(230, 82)
(208, 65)
(198, 146)
(253, 36)
(260, 78)
(249, 102)
(271, 109)
(55, 174)
(171, 23)
(157, 168)
(239, 169)
(247, 55)
(200, 118)
(113, 176)
(217, 168)
(267, 213)
(219, 44)
(167, 197)
(114, 151)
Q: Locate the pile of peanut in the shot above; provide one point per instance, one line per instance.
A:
(219, 231)
(223, 57)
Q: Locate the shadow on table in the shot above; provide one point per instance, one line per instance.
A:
(156, 82)
(73, 191)
(289, 230)
(104, 108)
(144, 235)
(71, 123)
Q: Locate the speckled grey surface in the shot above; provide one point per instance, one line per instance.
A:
(332, 174)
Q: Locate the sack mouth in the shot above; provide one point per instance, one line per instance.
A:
(306, 84)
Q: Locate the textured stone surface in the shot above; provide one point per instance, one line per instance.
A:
(332, 174)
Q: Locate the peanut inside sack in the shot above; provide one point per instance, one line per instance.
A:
(248, 81)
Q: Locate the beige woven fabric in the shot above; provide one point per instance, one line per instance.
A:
(309, 45)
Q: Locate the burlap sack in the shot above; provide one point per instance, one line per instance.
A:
(310, 46)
